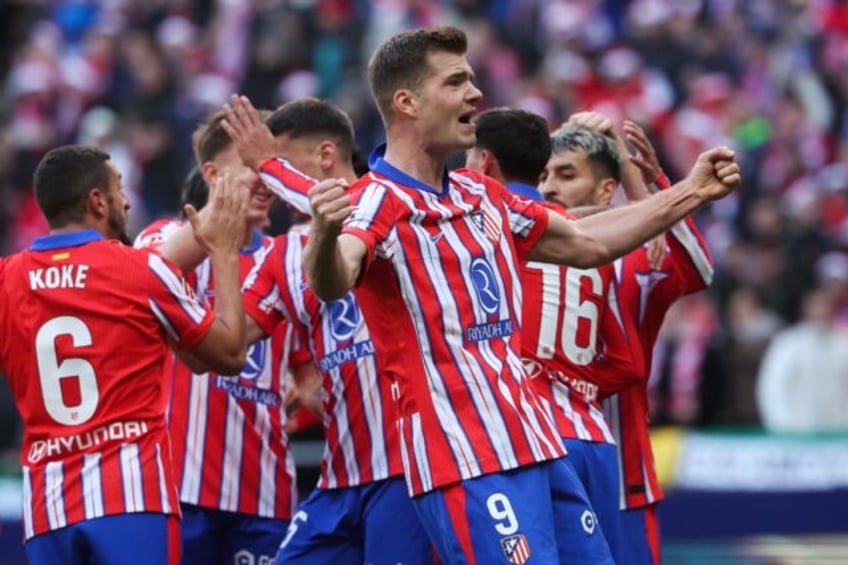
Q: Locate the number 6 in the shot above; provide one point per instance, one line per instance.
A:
(51, 372)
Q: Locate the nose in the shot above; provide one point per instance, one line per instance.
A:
(474, 94)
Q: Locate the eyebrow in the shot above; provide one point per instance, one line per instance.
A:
(463, 73)
(567, 167)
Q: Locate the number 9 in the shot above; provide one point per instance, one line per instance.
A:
(501, 510)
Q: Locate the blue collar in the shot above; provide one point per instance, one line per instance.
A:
(379, 165)
(525, 191)
(65, 239)
(254, 244)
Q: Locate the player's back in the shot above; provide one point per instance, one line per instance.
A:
(83, 348)
(574, 343)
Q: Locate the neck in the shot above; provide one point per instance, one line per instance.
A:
(247, 238)
(346, 173)
(416, 159)
(78, 226)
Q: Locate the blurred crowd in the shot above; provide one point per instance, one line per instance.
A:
(766, 77)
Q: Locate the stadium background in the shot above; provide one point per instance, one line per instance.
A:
(767, 77)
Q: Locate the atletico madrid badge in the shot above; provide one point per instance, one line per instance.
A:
(487, 223)
(516, 549)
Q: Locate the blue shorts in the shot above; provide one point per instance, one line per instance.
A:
(214, 536)
(373, 524)
(596, 464)
(540, 510)
(132, 539)
(641, 535)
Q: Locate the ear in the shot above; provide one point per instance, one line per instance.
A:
(605, 191)
(327, 154)
(491, 166)
(404, 102)
(98, 205)
(209, 171)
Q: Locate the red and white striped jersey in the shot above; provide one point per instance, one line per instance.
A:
(84, 323)
(361, 444)
(288, 183)
(576, 344)
(646, 295)
(441, 295)
(229, 441)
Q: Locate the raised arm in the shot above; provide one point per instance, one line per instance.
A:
(631, 175)
(600, 238)
(257, 147)
(332, 260)
(219, 234)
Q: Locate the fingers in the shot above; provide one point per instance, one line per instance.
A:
(241, 117)
(718, 154)
(329, 201)
(656, 252)
(728, 172)
(592, 120)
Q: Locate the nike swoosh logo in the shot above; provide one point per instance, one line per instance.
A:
(436, 238)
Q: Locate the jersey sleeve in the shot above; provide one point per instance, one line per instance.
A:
(528, 220)
(183, 317)
(691, 259)
(288, 183)
(692, 262)
(265, 289)
(372, 221)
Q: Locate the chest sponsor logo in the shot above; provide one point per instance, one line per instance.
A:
(489, 330)
(248, 392)
(352, 352)
(256, 357)
(345, 318)
(485, 285)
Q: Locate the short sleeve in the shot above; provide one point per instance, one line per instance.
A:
(372, 220)
(528, 220)
(155, 234)
(176, 307)
(265, 289)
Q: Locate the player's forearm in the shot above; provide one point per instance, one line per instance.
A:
(631, 175)
(182, 249)
(289, 184)
(329, 275)
(229, 309)
(620, 230)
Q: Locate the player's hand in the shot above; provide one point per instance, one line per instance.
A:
(656, 252)
(594, 121)
(251, 137)
(330, 206)
(645, 157)
(220, 226)
(715, 174)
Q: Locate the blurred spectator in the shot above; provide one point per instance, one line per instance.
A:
(803, 380)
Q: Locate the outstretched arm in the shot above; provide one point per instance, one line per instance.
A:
(601, 238)
(332, 260)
